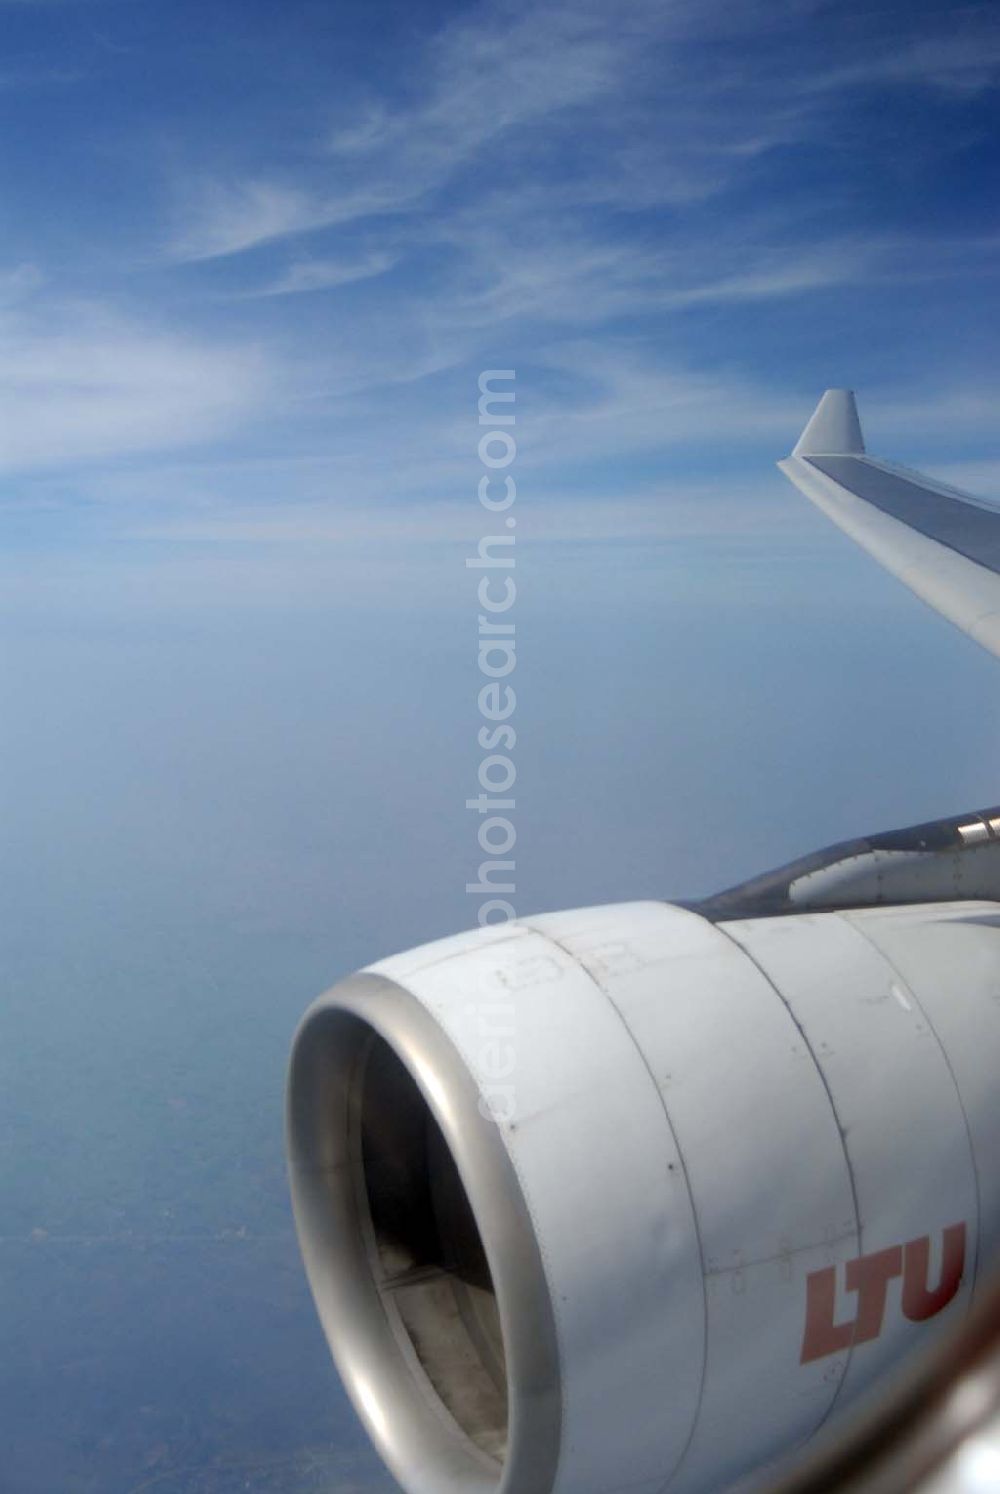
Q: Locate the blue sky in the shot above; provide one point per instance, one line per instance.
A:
(252, 254)
(253, 258)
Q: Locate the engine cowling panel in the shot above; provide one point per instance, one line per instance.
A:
(622, 1198)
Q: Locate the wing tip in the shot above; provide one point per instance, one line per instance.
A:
(834, 429)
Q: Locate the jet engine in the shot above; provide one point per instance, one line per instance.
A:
(628, 1198)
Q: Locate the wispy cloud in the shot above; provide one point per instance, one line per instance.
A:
(536, 272)
(304, 275)
(688, 510)
(80, 384)
(964, 58)
(228, 217)
(502, 85)
(622, 396)
(965, 412)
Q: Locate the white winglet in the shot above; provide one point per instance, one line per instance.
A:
(942, 544)
(834, 429)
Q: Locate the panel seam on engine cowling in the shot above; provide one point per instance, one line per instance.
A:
(911, 993)
(722, 929)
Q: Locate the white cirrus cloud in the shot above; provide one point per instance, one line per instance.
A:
(225, 218)
(965, 59)
(495, 83)
(83, 385)
(308, 274)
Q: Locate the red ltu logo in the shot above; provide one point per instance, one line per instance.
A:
(869, 1277)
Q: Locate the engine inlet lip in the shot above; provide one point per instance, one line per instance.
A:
(426, 1451)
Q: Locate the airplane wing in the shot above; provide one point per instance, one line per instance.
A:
(944, 545)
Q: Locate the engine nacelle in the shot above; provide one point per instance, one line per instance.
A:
(622, 1198)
